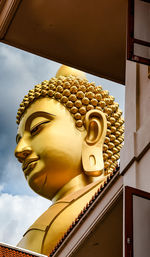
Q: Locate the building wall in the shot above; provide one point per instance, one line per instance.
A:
(135, 155)
(135, 161)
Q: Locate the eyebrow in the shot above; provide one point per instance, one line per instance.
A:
(32, 117)
(38, 114)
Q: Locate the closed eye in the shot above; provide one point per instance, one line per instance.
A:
(37, 128)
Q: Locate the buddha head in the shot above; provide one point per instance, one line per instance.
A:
(67, 126)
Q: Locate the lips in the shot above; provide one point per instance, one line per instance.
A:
(29, 165)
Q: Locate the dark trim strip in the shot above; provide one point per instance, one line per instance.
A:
(141, 42)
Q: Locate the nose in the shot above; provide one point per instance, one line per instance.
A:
(22, 150)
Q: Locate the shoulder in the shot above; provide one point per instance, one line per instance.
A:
(61, 223)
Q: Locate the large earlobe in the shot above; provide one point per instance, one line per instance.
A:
(92, 149)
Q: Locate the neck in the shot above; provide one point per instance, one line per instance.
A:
(74, 185)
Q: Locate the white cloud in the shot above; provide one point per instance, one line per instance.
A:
(2, 187)
(17, 213)
(13, 180)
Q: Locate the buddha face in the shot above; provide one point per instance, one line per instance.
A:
(49, 146)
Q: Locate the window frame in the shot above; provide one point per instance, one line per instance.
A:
(131, 40)
(129, 240)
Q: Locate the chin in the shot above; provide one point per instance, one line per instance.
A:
(37, 181)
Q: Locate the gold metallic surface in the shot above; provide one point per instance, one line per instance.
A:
(78, 96)
(50, 227)
(64, 150)
(66, 71)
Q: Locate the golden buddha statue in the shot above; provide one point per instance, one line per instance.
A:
(69, 137)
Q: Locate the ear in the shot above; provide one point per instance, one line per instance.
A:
(92, 150)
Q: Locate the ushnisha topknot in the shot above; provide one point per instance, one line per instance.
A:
(79, 96)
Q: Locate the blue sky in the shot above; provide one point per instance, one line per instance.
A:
(19, 72)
